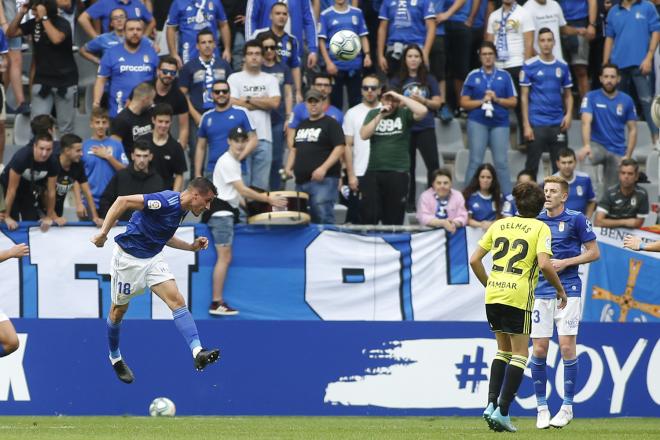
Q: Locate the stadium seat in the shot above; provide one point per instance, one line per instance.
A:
(340, 214)
(652, 168)
(461, 164)
(575, 135)
(81, 126)
(449, 138)
(517, 161)
(644, 142)
(652, 190)
(86, 70)
(10, 150)
(22, 131)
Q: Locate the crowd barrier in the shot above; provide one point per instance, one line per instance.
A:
(310, 273)
(314, 368)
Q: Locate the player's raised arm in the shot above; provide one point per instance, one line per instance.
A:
(133, 202)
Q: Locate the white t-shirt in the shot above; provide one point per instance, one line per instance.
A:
(548, 15)
(352, 123)
(261, 85)
(518, 22)
(227, 171)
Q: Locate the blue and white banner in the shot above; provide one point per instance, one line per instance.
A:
(314, 368)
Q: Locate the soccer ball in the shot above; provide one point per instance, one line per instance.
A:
(162, 406)
(345, 45)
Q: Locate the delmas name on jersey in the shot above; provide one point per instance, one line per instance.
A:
(308, 134)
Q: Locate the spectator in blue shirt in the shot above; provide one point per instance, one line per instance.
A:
(402, 23)
(483, 197)
(94, 49)
(337, 18)
(606, 113)
(186, 19)
(124, 67)
(547, 102)
(632, 35)
(581, 196)
(102, 9)
(509, 208)
(488, 94)
(196, 81)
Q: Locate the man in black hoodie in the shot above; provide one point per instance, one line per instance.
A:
(137, 178)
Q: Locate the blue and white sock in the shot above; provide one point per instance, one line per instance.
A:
(570, 376)
(540, 378)
(186, 325)
(113, 340)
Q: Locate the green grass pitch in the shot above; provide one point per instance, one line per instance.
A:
(381, 428)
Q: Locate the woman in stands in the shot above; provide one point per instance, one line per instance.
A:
(483, 197)
(441, 206)
(488, 94)
(417, 83)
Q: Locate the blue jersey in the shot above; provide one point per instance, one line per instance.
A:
(462, 14)
(574, 9)
(509, 208)
(198, 77)
(480, 18)
(580, 192)
(283, 74)
(287, 48)
(215, 127)
(631, 31)
(609, 118)
(301, 20)
(125, 70)
(149, 229)
(190, 17)
(406, 20)
(481, 207)
(4, 45)
(570, 230)
(333, 21)
(547, 82)
(99, 171)
(300, 113)
(102, 8)
(103, 42)
(412, 86)
(475, 86)
(439, 5)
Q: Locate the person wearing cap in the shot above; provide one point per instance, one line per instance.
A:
(318, 144)
(224, 212)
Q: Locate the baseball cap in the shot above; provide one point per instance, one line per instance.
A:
(314, 94)
(237, 133)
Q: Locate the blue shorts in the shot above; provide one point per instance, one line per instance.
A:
(222, 229)
(15, 43)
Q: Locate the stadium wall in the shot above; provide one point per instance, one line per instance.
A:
(313, 368)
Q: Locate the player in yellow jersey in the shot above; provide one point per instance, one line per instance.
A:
(521, 245)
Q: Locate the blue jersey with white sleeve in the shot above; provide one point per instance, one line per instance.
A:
(301, 20)
(103, 42)
(547, 82)
(481, 207)
(609, 118)
(151, 228)
(570, 230)
(333, 21)
(190, 17)
(475, 86)
(102, 9)
(580, 192)
(98, 170)
(406, 20)
(300, 113)
(215, 126)
(631, 29)
(125, 70)
(509, 208)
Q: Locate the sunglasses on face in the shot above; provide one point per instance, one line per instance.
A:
(168, 72)
(220, 91)
(270, 47)
(368, 88)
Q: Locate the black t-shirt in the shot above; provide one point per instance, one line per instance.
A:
(65, 180)
(314, 141)
(161, 9)
(169, 159)
(54, 63)
(619, 206)
(175, 98)
(34, 175)
(129, 126)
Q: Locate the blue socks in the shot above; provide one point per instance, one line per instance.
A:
(113, 339)
(570, 375)
(186, 325)
(540, 378)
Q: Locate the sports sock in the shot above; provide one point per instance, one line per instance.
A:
(113, 338)
(570, 375)
(497, 370)
(512, 379)
(540, 378)
(186, 325)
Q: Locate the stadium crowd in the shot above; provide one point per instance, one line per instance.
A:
(181, 81)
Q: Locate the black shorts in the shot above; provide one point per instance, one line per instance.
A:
(508, 319)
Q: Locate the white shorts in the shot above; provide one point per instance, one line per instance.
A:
(546, 315)
(3, 316)
(131, 275)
